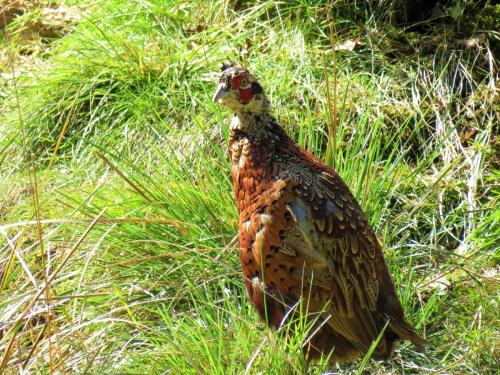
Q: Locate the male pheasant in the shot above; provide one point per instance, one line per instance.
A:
(303, 235)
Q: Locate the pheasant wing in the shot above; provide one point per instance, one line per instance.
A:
(343, 266)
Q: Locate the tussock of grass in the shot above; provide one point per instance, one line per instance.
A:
(155, 286)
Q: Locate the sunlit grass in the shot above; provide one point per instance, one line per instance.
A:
(156, 286)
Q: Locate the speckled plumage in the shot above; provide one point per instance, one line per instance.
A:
(303, 235)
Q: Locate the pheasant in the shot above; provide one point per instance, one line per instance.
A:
(303, 235)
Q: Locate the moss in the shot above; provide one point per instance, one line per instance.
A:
(487, 19)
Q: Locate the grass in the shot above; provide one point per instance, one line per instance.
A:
(115, 122)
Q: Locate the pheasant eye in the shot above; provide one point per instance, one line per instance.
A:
(244, 82)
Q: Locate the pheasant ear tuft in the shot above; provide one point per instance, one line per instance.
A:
(257, 89)
(227, 65)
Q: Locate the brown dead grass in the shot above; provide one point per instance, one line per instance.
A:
(49, 20)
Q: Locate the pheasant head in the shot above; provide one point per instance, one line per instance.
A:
(240, 92)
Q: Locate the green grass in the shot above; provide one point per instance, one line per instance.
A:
(155, 286)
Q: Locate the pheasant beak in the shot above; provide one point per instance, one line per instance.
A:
(220, 93)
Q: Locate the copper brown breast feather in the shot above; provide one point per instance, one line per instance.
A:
(303, 235)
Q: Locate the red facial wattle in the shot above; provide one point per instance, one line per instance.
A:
(235, 83)
(245, 92)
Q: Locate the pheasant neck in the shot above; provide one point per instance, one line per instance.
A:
(255, 144)
(261, 127)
